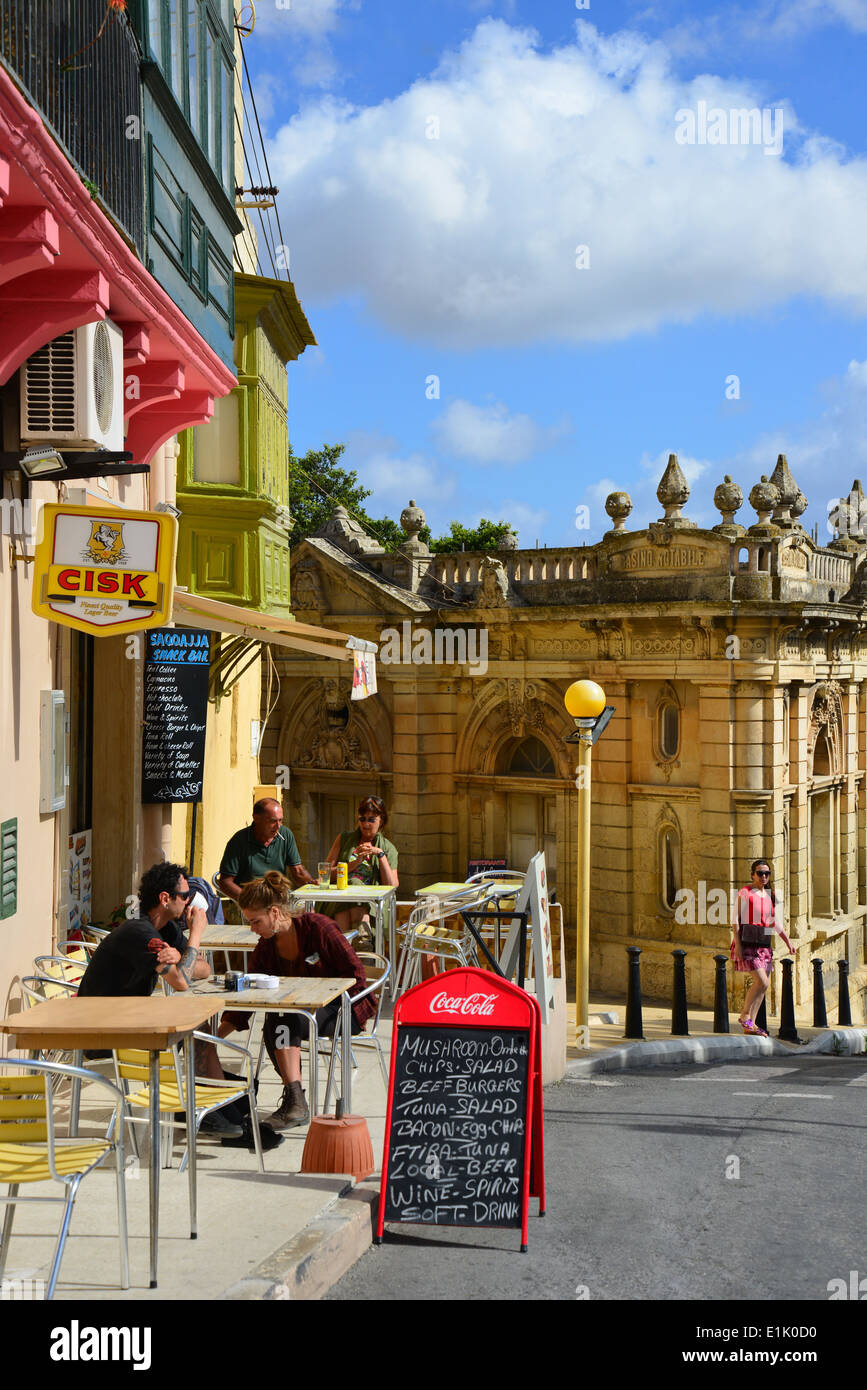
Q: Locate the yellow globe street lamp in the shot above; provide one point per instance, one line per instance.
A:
(585, 702)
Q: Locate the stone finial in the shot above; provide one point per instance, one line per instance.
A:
(673, 490)
(728, 499)
(618, 505)
(508, 540)
(343, 530)
(789, 492)
(764, 497)
(413, 519)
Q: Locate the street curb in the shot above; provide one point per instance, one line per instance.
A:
(306, 1266)
(718, 1047)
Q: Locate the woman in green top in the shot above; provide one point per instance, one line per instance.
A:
(371, 858)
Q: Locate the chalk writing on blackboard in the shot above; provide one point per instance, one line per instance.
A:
(175, 714)
(458, 1126)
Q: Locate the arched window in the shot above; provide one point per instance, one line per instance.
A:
(822, 756)
(668, 729)
(669, 866)
(531, 758)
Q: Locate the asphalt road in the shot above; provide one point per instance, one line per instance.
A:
(728, 1182)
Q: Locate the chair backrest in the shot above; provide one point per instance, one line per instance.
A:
(70, 968)
(377, 969)
(24, 1102)
(496, 876)
(130, 1064)
(36, 988)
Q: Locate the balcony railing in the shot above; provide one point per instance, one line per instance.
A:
(87, 90)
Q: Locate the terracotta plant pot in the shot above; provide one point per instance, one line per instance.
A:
(338, 1145)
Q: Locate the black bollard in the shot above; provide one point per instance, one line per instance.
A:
(788, 1029)
(679, 1020)
(720, 997)
(762, 1016)
(634, 1023)
(820, 1013)
(844, 1011)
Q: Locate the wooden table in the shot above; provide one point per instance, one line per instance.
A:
(302, 994)
(382, 898)
(228, 936)
(151, 1023)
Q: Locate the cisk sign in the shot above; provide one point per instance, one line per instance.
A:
(104, 570)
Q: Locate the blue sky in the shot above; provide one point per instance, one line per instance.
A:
(442, 162)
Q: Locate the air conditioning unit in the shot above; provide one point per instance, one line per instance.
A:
(72, 389)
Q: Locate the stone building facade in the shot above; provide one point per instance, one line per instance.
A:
(736, 659)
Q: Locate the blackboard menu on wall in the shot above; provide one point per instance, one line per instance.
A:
(458, 1127)
(175, 714)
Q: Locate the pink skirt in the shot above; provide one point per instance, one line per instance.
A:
(754, 958)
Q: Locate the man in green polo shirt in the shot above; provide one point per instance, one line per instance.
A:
(266, 844)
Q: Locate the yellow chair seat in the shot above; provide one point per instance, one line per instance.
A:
(29, 1162)
(171, 1098)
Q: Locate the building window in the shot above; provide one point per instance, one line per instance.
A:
(192, 43)
(669, 866)
(8, 868)
(531, 759)
(669, 729)
(220, 282)
(168, 204)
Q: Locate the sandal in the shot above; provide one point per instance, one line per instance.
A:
(750, 1027)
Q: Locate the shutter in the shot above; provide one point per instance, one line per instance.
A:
(8, 868)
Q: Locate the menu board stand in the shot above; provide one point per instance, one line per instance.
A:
(463, 1130)
(175, 714)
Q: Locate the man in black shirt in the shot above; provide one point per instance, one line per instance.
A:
(128, 961)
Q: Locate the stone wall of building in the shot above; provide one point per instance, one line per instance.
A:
(736, 665)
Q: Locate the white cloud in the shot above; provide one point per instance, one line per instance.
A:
(394, 477)
(528, 521)
(470, 239)
(825, 454)
(493, 434)
(298, 18)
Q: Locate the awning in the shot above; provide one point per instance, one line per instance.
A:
(192, 610)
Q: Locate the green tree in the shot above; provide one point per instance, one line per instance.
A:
(485, 536)
(317, 484)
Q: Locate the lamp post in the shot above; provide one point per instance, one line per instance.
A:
(585, 702)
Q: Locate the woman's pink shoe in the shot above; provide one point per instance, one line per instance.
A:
(750, 1027)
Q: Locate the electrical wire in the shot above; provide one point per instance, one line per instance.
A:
(364, 523)
(262, 141)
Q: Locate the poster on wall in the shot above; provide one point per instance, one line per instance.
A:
(176, 671)
(79, 867)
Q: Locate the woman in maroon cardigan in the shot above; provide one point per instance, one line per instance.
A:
(295, 943)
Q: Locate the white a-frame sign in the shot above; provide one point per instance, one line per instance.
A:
(533, 899)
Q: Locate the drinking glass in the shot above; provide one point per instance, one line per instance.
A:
(325, 874)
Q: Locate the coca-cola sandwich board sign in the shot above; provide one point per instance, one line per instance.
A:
(463, 1130)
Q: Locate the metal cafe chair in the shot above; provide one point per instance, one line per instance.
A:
(31, 1152)
(69, 968)
(209, 1095)
(426, 934)
(361, 1040)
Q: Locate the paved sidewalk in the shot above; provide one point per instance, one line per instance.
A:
(610, 1051)
(288, 1235)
